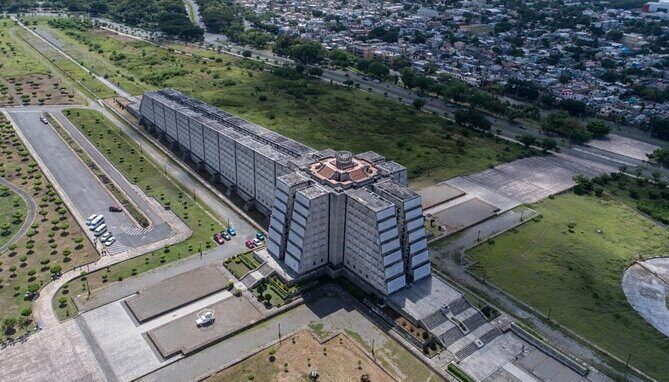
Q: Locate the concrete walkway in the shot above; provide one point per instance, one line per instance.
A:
(30, 214)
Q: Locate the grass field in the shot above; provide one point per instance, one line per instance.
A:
(25, 79)
(12, 213)
(87, 82)
(127, 157)
(563, 263)
(308, 110)
(55, 242)
(15, 61)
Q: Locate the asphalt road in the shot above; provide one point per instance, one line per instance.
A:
(79, 183)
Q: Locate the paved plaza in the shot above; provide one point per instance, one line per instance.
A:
(465, 214)
(58, 353)
(631, 148)
(646, 286)
(438, 194)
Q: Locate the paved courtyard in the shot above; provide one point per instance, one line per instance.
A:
(646, 286)
(53, 354)
(631, 148)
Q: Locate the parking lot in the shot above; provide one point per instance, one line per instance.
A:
(80, 186)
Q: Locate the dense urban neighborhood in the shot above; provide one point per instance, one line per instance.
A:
(221, 190)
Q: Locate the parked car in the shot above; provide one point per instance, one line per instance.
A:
(260, 236)
(90, 219)
(205, 319)
(249, 244)
(219, 238)
(226, 235)
(231, 231)
(105, 236)
(44, 120)
(110, 241)
(115, 209)
(257, 242)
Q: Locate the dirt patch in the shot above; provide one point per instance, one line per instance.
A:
(337, 359)
(35, 89)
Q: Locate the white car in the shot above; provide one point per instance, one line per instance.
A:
(110, 241)
(105, 236)
(205, 319)
(90, 219)
(257, 242)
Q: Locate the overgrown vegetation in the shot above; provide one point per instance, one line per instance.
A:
(167, 16)
(302, 108)
(571, 263)
(649, 197)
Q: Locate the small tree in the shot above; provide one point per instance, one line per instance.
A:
(418, 103)
(8, 324)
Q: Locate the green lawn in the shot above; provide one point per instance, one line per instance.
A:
(318, 114)
(127, 157)
(12, 213)
(562, 263)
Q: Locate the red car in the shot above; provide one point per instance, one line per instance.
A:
(219, 238)
(249, 244)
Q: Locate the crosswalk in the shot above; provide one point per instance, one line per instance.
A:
(136, 231)
(115, 249)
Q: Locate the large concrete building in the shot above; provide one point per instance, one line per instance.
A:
(331, 212)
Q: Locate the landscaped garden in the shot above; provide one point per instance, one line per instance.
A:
(53, 244)
(570, 263)
(273, 292)
(294, 104)
(241, 264)
(129, 159)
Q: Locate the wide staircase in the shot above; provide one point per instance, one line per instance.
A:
(105, 366)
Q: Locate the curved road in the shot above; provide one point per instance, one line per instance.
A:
(30, 216)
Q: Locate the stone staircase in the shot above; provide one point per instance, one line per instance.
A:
(104, 364)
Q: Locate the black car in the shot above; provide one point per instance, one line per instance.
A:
(115, 209)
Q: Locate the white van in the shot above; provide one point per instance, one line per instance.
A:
(100, 230)
(96, 222)
(90, 219)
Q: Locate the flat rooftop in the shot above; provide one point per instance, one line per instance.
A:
(425, 297)
(439, 194)
(369, 199)
(183, 336)
(465, 214)
(176, 292)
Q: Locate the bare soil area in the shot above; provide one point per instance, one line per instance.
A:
(337, 359)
